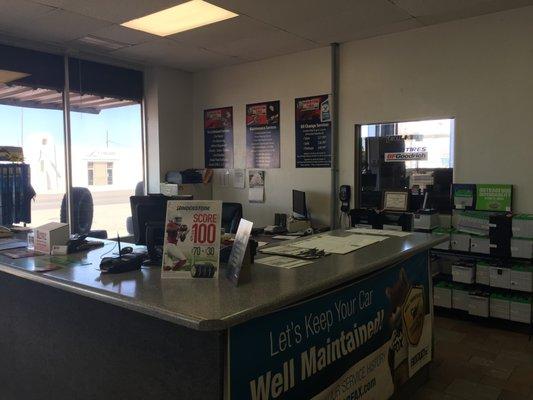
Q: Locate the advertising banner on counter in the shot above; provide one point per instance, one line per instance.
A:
(313, 132)
(192, 239)
(358, 342)
(262, 135)
(218, 138)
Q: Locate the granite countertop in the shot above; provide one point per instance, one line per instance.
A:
(216, 305)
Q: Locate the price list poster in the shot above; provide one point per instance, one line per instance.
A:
(263, 135)
(218, 137)
(313, 132)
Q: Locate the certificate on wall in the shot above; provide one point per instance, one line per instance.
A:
(395, 201)
(313, 132)
(192, 239)
(263, 135)
(218, 138)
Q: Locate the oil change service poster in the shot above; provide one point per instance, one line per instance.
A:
(192, 239)
(218, 138)
(358, 342)
(313, 132)
(262, 135)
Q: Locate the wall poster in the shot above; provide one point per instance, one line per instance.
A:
(218, 138)
(359, 342)
(313, 132)
(263, 135)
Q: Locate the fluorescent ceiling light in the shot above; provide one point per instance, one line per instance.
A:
(9, 76)
(183, 17)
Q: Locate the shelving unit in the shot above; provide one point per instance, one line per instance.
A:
(445, 258)
(494, 288)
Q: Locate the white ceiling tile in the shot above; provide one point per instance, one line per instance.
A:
(436, 11)
(172, 54)
(393, 27)
(320, 21)
(268, 44)
(113, 10)
(124, 35)
(19, 12)
(222, 32)
(58, 26)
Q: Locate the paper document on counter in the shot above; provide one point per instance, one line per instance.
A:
(282, 262)
(339, 244)
(286, 250)
(369, 231)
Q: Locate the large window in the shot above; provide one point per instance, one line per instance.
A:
(414, 156)
(105, 134)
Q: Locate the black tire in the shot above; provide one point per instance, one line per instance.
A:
(82, 206)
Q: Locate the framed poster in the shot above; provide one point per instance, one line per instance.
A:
(263, 135)
(313, 132)
(218, 138)
(192, 239)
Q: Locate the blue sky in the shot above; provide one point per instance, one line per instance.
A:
(123, 125)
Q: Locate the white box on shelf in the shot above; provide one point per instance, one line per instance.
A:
(479, 244)
(522, 248)
(441, 232)
(522, 225)
(500, 306)
(520, 310)
(49, 235)
(442, 295)
(522, 278)
(464, 273)
(460, 241)
(483, 273)
(460, 298)
(500, 277)
(478, 304)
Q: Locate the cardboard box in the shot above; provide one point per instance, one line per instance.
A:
(520, 309)
(522, 248)
(483, 273)
(522, 277)
(442, 295)
(460, 241)
(464, 272)
(168, 189)
(460, 298)
(49, 235)
(500, 277)
(478, 304)
(500, 306)
(522, 226)
(479, 244)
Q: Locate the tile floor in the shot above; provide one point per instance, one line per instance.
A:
(476, 362)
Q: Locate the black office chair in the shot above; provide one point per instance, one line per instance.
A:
(231, 216)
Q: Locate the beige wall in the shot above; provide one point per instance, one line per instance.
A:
(168, 111)
(281, 78)
(479, 71)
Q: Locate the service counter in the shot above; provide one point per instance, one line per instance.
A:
(345, 323)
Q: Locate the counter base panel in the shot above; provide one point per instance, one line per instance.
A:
(59, 345)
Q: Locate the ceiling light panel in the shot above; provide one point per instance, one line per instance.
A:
(183, 17)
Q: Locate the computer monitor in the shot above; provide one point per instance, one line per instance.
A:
(151, 209)
(299, 207)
